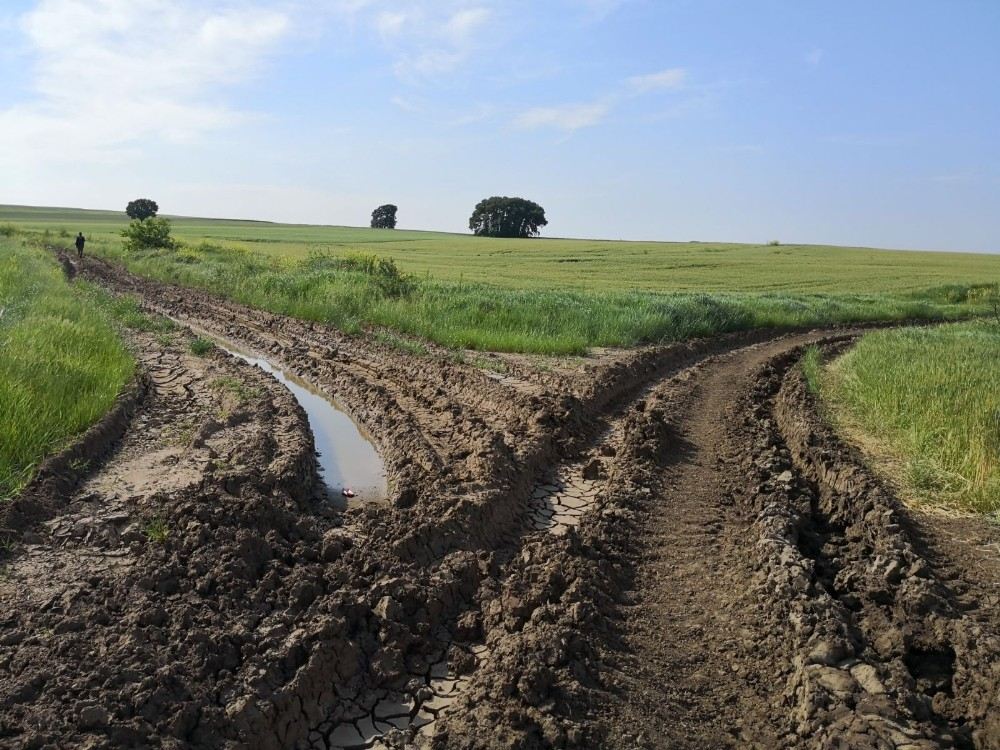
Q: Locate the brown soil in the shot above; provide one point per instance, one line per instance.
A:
(662, 548)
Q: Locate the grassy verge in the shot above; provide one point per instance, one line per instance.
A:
(62, 362)
(353, 290)
(929, 401)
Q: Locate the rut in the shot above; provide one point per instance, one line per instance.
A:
(687, 616)
(662, 548)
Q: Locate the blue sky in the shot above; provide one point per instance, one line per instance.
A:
(841, 122)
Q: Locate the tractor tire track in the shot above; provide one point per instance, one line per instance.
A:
(646, 551)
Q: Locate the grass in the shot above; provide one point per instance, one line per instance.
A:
(340, 291)
(240, 391)
(63, 363)
(200, 347)
(929, 399)
(539, 296)
(812, 369)
(157, 531)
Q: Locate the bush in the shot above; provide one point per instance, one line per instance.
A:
(148, 234)
(384, 274)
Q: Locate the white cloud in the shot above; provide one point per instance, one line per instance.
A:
(425, 38)
(390, 23)
(814, 57)
(109, 75)
(569, 117)
(597, 10)
(465, 22)
(572, 117)
(671, 78)
(407, 104)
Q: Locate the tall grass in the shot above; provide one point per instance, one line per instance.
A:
(932, 398)
(351, 291)
(61, 362)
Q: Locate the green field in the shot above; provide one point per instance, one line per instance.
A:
(62, 362)
(591, 265)
(929, 401)
(545, 296)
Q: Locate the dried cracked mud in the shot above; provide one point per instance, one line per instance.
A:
(660, 548)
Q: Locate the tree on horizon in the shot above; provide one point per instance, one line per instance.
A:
(384, 217)
(141, 208)
(501, 216)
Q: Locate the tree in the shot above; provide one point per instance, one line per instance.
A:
(384, 217)
(507, 217)
(141, 208)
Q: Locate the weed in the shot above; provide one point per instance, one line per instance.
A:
(240, 390)
(200, 346)
(157, 531)
(184, 433)
(490, 363)
(411, 346)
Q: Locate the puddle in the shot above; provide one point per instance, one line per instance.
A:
(347, 454)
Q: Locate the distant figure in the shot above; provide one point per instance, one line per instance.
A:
(80, 241)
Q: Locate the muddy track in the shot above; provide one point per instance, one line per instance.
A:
(644, 551)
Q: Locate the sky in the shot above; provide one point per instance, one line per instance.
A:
(850, 122)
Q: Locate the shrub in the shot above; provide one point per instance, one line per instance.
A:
(148, 234)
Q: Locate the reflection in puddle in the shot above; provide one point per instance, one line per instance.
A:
(347, 456)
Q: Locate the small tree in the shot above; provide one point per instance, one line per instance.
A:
(507, 217)
(384, 217)
(148, 234)
(141, 208)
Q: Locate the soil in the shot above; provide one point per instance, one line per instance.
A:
(657, 548)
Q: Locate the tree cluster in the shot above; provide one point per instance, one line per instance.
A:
(384, 217)
(507, 217)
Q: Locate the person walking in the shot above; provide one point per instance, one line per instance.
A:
(80, 240)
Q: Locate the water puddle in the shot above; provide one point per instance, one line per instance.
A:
(347, 455)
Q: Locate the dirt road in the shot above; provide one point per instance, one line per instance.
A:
(664, 548)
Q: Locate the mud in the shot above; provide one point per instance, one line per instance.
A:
(657, 548)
